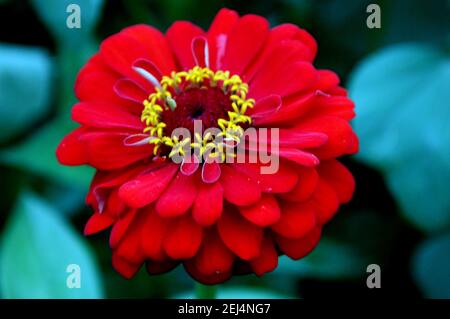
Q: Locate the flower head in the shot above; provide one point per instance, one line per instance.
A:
(172, 197)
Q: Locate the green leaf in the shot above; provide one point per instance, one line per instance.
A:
(330, 260)
(401, 96)
(36, 249)
(54, 14)
(37, 155)
(349, 244)
(431, 267)
(25, 83)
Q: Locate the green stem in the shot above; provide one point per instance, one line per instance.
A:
(205, 292)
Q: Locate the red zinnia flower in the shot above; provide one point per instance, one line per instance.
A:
(218, 219)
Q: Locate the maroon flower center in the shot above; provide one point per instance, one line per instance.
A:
(204, 104)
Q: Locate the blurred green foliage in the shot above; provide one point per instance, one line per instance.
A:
(404, 129)
(36, 247)
(398, 75)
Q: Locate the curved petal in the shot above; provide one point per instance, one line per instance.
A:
(208, 204)
(308, 179)
(296, 220)
(152, 234)
(106, 150)
(211, 279)
(283, 180)
(104, 115)
(339, 177)
(180, 36)
(213, 257)
(244, 42)
(155, 45)
(326, 202)
(98, 222)
(124, 267)
(267, 261)
(264, 213)
(178, 197)
(182, 240)
(299, 248)
(71, 151)
(292, 79)
(120, 227)
(218, 32)
(341, 138)
(122, 50)
(240, 236)
(147, 187)
(288, 43)
(239, 189)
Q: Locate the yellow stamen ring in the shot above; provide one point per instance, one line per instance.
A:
(197, 77)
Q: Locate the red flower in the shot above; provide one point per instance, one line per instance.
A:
(216, 218)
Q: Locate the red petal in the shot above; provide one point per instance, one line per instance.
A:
(152, 234)
(326, 202)
(299, 248)
(264, 213)
(339, 177)
(182, 240)
(130, 245)
(178, 197)
(95, 83)
(267, 104)
(123, 267)
(327, 80)
(120, 227)
(104, 181)
(244, 42)
(208, 204)
(189, 165)
(298, 139)
(150, 38)
(240, 236)
(122, 50)
(104, 115)
(114, 204)
(71, 151)
(296, 220)
(211, 172)
(97, 222)
(296, 78)
(298, 156)
(307, 183)
(283, 180)
(267, 261)
(107, 150)
(239, 189)
(291, 108)
(129, 90)
(147, 188)
(293, 43)
(213, 256)
(341, 138)
(223, 23)
(327, 105)
(200, 51)
(180, 36)
(212, 279)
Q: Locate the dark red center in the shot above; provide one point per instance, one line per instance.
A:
(205, 104)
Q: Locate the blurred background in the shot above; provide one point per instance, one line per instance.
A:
(398, 75)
